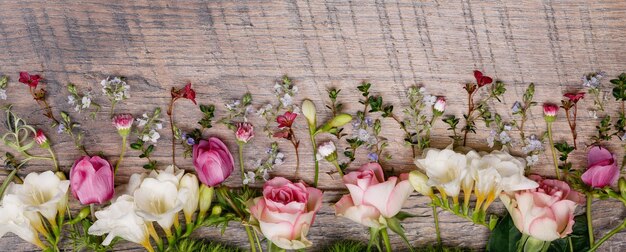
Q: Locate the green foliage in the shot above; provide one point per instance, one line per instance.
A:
(147, 149)
(336, 108)
(346, 246)
(208, 112)
(619, 91)
(19, 132)
(197, 245)
(564, 150)
(505, 237)
(604, 129)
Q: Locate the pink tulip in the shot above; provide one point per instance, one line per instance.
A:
(91, 180)
(545, 213)
(602, 169)
(371, 196)
(213, 161)
(286, 211)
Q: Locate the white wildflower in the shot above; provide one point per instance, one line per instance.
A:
(429, 100)
(532, 159)
(286, 100)
(71, 100)
(249, 178)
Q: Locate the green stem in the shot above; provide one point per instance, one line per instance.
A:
(608, 235)
(54, 159)
(571, 245)
(385, 236)
(119, 161)
(257, 240)
(250, 239)
(243, 171)
(317, 165)
(589, 220)
(336, 164)
(6, 182)
(556, 164)
(436, 217)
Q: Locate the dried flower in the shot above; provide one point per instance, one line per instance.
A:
(575, 97)
(481, 79)
(30, 80)
(286, 120)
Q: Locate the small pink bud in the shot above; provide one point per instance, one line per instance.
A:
(549, 111)
(123, 123)
(41, 138)
(440, 104)
(245, 132)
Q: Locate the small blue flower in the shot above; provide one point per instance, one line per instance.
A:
(373, 157)
(517, 106)
(191, 141)
(61, 128)
(369, 121)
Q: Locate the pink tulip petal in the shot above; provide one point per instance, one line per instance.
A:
(598, 154)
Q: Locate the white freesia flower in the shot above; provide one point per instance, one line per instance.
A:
(467, 184)
(44, 193)
(445, 170)
(159, 199)
(190, 182)
(13, 220)
(511, 170)
(120, 220)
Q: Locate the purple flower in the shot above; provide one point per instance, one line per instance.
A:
(369, 121)
(373, 156)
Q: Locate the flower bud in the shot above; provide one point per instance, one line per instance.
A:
(190, 182)
(41, 139)
(337, 121)
(81, 215)
(549, 111)
(308, 110)
(206, 197)
(60, 175)
(440, 106)
(123, 123)
(245, 132)
(327, 151)
(419, 181)
(216, 211)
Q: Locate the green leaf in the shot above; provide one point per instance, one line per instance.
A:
(396, 227)
(504, 236)
(135, 146)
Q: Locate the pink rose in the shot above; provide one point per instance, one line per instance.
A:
(286, 211)
(371, 196)
(213, 161)
(602, 169)
(545, 213)
(91, 180)
(245, 132)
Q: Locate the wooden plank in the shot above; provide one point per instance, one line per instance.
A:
(228, 48)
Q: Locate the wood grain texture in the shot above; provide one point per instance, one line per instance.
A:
(227, 48)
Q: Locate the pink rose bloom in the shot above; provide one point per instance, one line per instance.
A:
(245, 132)
(371, 196)
(285, 212)
(602, 169)
(91, 180)
(545, 213)
(213, 161)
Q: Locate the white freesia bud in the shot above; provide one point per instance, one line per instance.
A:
(43, 193)
(206, 198)
(120, 220)
(190, 182)
(13, 220)
(419, 181)
(309, 112)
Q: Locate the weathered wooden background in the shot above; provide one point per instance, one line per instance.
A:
(228, 48)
